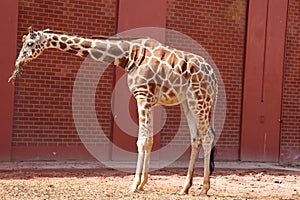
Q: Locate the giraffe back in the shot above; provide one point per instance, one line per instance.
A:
(165, 73)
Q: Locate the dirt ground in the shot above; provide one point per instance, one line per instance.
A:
(101, 184)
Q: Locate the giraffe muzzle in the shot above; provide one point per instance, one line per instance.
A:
(17, 72)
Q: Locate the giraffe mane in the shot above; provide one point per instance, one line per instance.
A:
(99, 37)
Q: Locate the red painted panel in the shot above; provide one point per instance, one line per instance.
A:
(136, 14)
(274, 64)
(263, 80)
(57, 153)
(8, 22)
(251, 141)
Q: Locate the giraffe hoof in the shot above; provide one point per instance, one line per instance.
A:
(203, 193)
(183, 192)
(133, 191)
(140, 189)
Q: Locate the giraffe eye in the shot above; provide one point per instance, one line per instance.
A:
(30, 44)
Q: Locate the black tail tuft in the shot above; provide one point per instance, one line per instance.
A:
(212, 162)
(212, 154)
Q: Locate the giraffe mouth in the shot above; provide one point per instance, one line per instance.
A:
(17, 72)
(22, 60)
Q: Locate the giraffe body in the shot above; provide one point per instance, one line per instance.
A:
(157, 75)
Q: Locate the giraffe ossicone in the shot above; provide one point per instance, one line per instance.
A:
(157, 75)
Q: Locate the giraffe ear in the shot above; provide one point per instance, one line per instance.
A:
(40, 36)
(30, 30)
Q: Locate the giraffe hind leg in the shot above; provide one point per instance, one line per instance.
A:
(202, 135)
(196, 144)
(189, 178)
(208, 149)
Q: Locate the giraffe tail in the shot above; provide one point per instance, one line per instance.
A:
(213, 147)
(212, 154)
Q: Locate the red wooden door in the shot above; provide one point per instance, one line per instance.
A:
(134, 14)
(260, 140)
(8, 40)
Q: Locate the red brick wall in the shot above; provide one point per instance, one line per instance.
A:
(290, 129)
(220, 27)
(43, 96)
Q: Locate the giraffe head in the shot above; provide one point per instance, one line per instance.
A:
(34, 43)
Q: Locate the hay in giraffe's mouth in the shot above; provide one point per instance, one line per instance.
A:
(16, 73)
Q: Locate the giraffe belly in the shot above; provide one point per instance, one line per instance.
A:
(165, 102)
(171, 97)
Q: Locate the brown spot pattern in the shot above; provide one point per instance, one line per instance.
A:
(86, 44)
(154, 64)
(108, 59)
(62, 45)
(125, 46)
(115, 50)
(76, 40)
(72, 51)
(172, 60)
(134, 53)
(100, 46)
(85, 53)
(186, 75)
(55, 38)
(183, 67)
(147, 73)
(178, 70)
(96, 54)
(162, 54)
(123, 62)
(75, 47)
(151, 43)
(165, 89)
(171, 94)
(141, 58)
(193, 69)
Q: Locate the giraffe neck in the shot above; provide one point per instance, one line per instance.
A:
(107, 50)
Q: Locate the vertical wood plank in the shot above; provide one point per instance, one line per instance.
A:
(263, 80)
(8, 39)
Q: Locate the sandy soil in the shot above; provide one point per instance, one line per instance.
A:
(163, 184)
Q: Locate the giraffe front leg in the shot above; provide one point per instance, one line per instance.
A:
(144, 178)
(141, 175)
(139, 167)
(144, 144)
